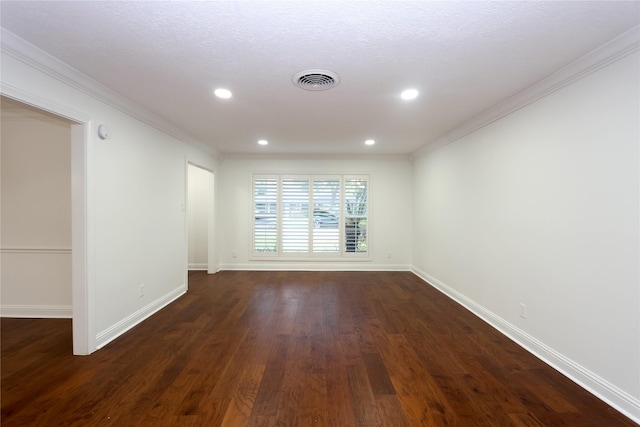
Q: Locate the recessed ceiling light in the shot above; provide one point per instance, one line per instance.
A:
(223, 93)
(263, 142)
(369, 142)
(409, 94)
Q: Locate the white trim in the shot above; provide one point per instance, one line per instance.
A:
(198, 266)
(114, 331)
(83, 238)
(185, 220)
(36, 58)
(36, 311)
(212, 252)
(46, 251)
(274, 265)
(594, 384)
(320, 257)
(619, 47)
(30, 98)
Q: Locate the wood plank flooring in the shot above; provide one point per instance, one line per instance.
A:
(291, 349)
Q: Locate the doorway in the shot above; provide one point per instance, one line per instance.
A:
(77, 302)
(200, 215)
(36, 213)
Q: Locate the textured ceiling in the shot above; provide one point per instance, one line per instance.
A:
(464, 57)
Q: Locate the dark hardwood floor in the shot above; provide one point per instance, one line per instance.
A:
(291, 349)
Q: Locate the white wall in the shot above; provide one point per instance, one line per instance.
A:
(140, 216)
(136, 197)
(390, 209)
(36, 214)
(542, 208)
(200, 192)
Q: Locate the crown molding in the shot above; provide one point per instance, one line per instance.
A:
(429, 147)
(25, 52)
(617, 48)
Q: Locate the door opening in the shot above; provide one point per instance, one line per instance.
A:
(75, 293)
(199, 218)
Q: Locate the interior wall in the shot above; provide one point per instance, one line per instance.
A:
(390, 210)
(199, 194)
(35, 214)
(541, 208)
(136, 201)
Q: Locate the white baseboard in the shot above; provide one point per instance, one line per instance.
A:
(313, 266)
(604, 390)
(105, 337)
(37, 311)
(198, 266)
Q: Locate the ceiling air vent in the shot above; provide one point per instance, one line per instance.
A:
(316, 79)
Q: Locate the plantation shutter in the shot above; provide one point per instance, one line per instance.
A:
(265, 224)
(356, 214)
(310, 216)
(295, 215)
(326, 215)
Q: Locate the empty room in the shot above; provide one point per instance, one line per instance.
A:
(306, 213)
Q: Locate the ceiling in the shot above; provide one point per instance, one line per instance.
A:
(463, 57)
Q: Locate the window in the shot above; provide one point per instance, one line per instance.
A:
(315, 216)
(295, 215)
(356, 214)
(265, 228)
(326, 215)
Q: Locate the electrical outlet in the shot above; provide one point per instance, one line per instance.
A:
(523, 311)
(141, 291)
(388, 254)
(234, 254)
